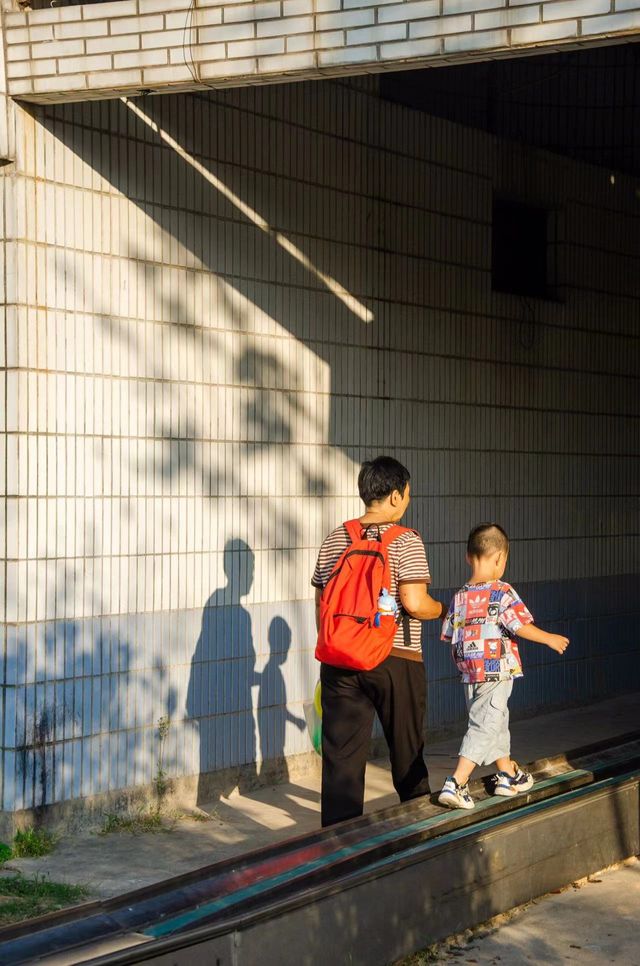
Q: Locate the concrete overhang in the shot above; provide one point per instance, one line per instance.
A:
(132, 47)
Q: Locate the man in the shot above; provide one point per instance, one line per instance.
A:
(396, 688)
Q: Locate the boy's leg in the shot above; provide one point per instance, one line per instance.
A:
(488, 721)
(511, 779)
(487, 736)
(464, 770)
(504, 761)
(507, 765)
(347, 721)
(398, 689)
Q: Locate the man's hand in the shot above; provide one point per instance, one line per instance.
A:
(418, 603)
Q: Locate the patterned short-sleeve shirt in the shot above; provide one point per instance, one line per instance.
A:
(407, 564)
(480, 624)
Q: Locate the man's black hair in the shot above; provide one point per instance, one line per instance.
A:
(487, 538)
(378, 479)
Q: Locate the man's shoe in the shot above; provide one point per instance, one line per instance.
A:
(509, 785)
(454, 795)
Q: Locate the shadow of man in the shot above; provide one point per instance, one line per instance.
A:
(222, 674)
(273, 714)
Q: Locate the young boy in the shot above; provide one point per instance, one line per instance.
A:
(482, 621)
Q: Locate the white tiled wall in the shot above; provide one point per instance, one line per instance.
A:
(211, 318)
(87, 50)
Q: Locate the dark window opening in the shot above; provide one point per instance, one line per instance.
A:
(519, 263)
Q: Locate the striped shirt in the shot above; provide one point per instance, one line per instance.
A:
(407, 564)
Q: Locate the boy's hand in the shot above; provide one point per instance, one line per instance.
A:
(558, 643)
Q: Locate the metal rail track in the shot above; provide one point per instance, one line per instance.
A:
(370, 890)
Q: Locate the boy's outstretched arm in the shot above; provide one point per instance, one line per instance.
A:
(556, 642)
(418, 603)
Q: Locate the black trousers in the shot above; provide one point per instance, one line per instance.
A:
(396, 692)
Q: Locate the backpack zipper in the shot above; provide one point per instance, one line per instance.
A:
(360, 620)
(364, 553)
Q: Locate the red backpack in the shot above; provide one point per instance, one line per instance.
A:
(350, 636)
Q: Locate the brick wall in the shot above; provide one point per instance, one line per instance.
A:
(106, 49)
(215, 306)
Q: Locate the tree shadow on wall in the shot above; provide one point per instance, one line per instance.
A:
(236, 217)
(175, 457)
(201, 229)
(249, 236)
(82, 732)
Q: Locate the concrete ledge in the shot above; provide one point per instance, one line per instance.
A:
(434, 895)
(425, 872)
(131, 47)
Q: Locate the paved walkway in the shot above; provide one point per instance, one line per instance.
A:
(591, 923)
(118, 862)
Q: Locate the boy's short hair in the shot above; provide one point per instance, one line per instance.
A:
(487, 538)
(378, 478)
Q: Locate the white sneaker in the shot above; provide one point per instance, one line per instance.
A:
(454, 795)
(509, 785)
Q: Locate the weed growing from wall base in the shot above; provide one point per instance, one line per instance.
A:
(148, 819)
(32, 842)
(145, 820)
(161, 781)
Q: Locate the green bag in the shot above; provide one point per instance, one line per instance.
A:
(313, 716)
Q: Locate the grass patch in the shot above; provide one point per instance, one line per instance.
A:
(157, 819)
(32, 842)
(199, 816)
(22, 898)
(150, 820)
(28, 843)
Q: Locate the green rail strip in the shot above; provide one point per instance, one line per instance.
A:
(491, 823)
(175, 923)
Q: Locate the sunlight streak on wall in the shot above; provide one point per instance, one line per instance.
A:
(358, 309)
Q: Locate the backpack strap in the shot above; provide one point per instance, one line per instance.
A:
(393, 533)
(354, 529)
